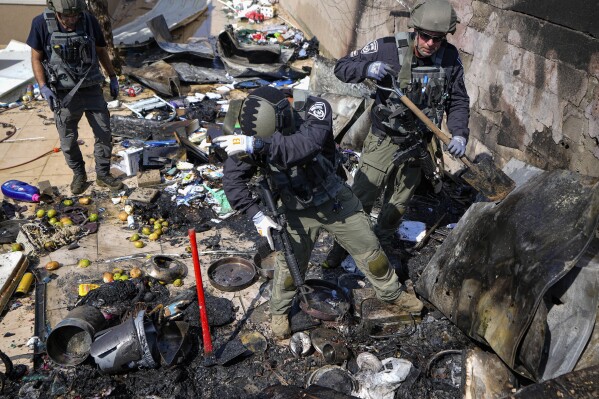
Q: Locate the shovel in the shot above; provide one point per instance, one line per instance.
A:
(484, 176)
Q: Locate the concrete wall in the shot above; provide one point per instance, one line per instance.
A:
(532, 71)
(16, 18)
(16, 21)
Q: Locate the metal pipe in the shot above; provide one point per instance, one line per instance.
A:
(200, 288)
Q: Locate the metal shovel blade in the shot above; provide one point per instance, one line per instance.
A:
(489, 180)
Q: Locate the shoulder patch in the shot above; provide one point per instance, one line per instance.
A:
(318, 110)
(370, 48)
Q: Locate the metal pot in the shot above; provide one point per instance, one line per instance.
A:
(265, 266)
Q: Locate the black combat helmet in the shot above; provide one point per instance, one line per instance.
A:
(434, 16)
(265, 111)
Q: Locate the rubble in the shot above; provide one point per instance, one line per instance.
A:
(134, 323)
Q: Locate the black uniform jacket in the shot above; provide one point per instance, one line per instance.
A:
(314, 135)
(352, 69)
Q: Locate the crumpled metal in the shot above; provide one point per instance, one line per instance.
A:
(491, 273)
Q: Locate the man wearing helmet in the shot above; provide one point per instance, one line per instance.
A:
(67, 48)
(399, 148)
(296, 148)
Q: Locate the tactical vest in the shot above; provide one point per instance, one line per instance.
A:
(73, 54)
(425, 86)
(311, 184)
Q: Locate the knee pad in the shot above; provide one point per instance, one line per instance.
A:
(379, 265)
(288, 284)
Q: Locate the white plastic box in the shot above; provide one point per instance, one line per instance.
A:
(129, 163)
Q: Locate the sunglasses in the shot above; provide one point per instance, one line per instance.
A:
(69, 16)
(426, 37)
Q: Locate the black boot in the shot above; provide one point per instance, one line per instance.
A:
(78, 183)
(109, 181)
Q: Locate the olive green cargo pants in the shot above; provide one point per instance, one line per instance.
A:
(352, 229)
(376, 171)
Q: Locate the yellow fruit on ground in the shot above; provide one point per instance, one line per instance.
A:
(116, 276)
(66, 221)
(51, 213)
(135, 272)
(153, 237)
(85, 200)
(58, 224)
(139, 244)
(178, 282)
(165, 224)
(124, 277)
(123, 216)
(152, 220)
(52, 220)
(134, 237)
(52, 265)
(93, 217)
(40, 213)
(67, 202)
(16, 247)
(158, 231)
(146, 231)
(49, 246)
(107, 277)
(84, 263)
(117, 270)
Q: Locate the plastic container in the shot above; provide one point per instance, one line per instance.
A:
(20, 191)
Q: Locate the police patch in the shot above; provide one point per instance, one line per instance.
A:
(318, 110)
(370, 48)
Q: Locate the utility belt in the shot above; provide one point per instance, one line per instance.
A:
(398, 138)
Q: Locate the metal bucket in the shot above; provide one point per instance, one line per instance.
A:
(69, 343)
(131, 344)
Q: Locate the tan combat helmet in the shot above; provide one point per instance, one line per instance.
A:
(66, 6)
(434, 16)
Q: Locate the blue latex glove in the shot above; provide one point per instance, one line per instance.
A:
(235, 144)
(457, 146)
(114, 87)
(49, 96)
(378, 70)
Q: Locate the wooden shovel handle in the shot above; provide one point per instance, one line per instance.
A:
(438, 132)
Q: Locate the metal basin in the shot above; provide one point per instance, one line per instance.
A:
(232, 273)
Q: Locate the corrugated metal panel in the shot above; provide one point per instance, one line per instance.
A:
(176, 13)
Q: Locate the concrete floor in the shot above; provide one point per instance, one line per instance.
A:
(109, 242)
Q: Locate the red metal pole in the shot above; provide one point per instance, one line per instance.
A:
(200, 288)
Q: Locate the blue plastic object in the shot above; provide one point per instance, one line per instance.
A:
(20, 191)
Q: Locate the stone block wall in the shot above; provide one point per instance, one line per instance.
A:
(532, 70)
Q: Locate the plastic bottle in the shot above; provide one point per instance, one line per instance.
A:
(20, 191)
